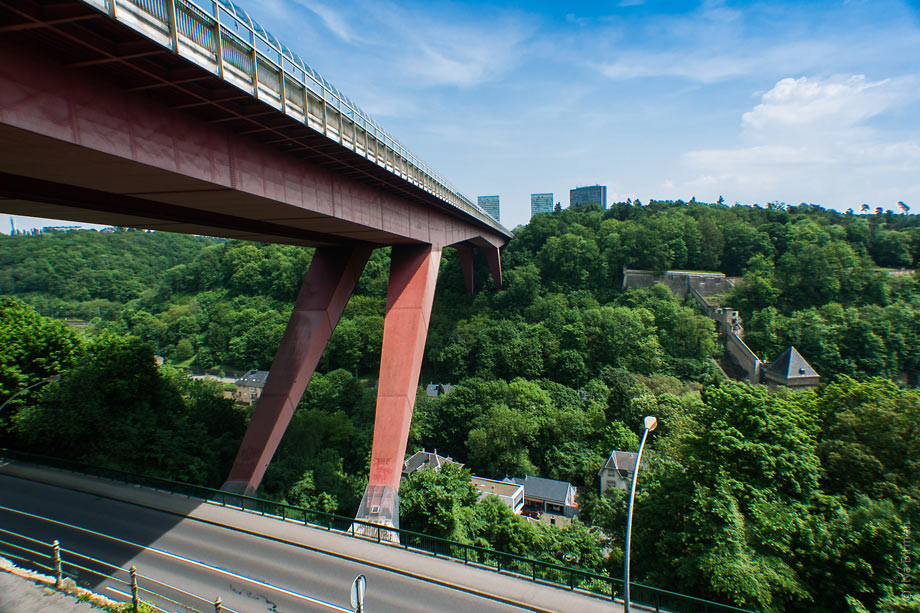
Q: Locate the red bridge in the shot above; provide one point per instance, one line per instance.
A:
(189, 117)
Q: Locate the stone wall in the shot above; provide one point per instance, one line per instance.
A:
(699, 285)
(679, 282)
(728, 324)
(743, 355)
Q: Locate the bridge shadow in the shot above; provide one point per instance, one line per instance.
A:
(102, 526)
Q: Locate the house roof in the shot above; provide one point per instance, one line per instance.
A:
(499, 488)
(423, 458)
(253, 378)
(549, 490)
(621, 461)
(790, 366)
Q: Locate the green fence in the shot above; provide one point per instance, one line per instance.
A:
(653, 598)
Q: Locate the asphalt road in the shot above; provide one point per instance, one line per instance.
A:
(249, 573)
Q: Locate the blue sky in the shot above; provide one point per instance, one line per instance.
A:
(758, 102)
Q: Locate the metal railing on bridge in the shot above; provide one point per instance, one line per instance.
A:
(221, 37)
(656, 599)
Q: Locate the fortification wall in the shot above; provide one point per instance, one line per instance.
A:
(743, 355)
(680, 283)
(699, 285)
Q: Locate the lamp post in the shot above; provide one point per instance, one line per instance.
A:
(650, 424)
(50, 379)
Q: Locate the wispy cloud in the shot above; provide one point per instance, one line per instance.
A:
(332, 19)
(716, 43)
(460, 50)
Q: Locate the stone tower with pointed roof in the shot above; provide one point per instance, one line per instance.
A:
(791, 369)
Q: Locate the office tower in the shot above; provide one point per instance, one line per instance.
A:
(541, 203)
(489, 204)
(584, 195)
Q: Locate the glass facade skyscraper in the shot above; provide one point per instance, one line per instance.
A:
(541, 203)
(584, 195)
(489, 204)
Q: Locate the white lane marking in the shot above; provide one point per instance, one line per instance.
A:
(186, 560)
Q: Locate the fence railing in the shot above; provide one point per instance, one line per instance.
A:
(143, 592)
(221, 37)
(656, 599)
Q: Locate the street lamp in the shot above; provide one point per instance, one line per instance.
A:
(650, 424)
(50, 379)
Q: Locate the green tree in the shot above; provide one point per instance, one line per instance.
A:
(430, 500)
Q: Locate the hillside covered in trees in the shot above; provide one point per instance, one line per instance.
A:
(776, 501)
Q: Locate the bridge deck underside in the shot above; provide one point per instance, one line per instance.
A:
(99, 124)
(44, 177)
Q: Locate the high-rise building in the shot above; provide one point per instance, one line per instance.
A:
(489, 204)
(541, 203)
(584, 195)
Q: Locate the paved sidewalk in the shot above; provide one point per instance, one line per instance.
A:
(449, 573)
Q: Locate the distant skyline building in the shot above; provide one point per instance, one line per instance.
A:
(541, 203)
(592, 193)
(490, 205)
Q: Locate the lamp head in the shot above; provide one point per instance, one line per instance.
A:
(651, 423)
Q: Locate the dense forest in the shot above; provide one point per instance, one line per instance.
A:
(773, 500)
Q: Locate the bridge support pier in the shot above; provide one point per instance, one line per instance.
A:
(466, 265)
(326, 288)
(413, 276)
(494, 258)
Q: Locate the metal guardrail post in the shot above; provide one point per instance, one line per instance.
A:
(218, 41)
(218, 606)
(173, 24)
(58, 569)
(135, 602)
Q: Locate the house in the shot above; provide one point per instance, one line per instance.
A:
(791, 369)
(548, 495)
(437, 389)
(512, 494)
(617, 471)
(249, 386)
(421, 459)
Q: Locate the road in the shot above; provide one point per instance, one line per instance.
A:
(249, 573)
(247, 563)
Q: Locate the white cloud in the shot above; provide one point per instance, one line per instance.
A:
(829, 104)
(808, 140)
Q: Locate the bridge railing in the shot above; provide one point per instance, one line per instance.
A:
(222, 38)
(654, 598)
